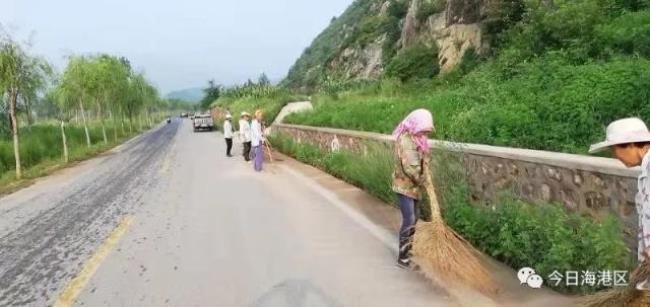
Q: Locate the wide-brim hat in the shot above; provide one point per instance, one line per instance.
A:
(623, 131)
(245, 114)
(228, 116)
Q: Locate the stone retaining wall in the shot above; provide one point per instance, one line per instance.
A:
(583, 184)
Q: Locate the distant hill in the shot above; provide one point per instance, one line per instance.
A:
(193, 95)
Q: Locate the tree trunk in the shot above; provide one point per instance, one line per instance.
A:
(30, 119)
(101, 119)
(113, 120)
(14, 129)
(65, 142)
(83, 117)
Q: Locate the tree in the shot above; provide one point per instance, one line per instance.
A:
(21, 76)
(77, 85)
(212, 93)
(263, 80)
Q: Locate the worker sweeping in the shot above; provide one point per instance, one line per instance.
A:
(411, 156)
(442, 254)
(629, 141)
(245, 135)
(257, 139)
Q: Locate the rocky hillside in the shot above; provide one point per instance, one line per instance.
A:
(366, 41)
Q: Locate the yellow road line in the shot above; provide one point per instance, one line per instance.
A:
(76, 285)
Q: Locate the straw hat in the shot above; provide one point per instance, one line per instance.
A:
(245, 114)
(623, 131)
(228, 116)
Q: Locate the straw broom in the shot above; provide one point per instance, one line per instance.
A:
(445, 256)
(268, 149)
(624, 296)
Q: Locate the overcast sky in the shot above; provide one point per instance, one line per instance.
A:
(178, 44)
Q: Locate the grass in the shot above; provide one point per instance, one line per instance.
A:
(42, 150)
(547, 104)
(271, 105)
(543, 236)
(552, 79)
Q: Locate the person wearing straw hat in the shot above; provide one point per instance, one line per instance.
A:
(411, 157)
(228, 133)
(629, 140)
(245, 134)
(257, 140)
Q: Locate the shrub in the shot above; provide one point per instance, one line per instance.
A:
(629, 33)
(543, 236)
(419, 61)
(41, 143)
(428, 8)
(398, 9)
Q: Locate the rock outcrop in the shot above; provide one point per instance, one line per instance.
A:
(352, 52)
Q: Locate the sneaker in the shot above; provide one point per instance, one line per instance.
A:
(404, 263)
(643, 286)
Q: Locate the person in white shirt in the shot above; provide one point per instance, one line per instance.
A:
(245, 134)
(629, 141)
(257, 140)
(227, 134)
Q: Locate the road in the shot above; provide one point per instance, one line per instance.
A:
(167, 220)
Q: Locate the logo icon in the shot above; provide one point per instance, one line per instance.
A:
(527, 276)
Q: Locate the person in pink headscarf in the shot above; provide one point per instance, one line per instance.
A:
(411, 157)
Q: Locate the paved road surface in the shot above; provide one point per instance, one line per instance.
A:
(168, 220)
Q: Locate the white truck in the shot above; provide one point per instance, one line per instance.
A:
(203, 122)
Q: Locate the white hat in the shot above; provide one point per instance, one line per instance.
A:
(623, 131)
(228, 116)
(244, 114)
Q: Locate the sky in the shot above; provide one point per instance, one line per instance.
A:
(177, 44)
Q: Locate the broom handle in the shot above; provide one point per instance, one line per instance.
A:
(431, 191)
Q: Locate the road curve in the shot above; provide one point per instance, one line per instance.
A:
(205, 230)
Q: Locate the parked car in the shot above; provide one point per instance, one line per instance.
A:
(203, 122)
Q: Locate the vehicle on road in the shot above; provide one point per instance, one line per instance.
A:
(183, 115)
(169, 120)
(203, 122)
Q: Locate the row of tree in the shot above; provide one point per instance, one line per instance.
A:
(103, 87)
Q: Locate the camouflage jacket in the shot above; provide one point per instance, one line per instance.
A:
(409, 163)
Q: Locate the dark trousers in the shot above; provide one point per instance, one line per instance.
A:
(408, 207)
(228, 146)
(247, 151)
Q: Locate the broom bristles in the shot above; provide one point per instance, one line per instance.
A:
(624, 296)
(448, 259)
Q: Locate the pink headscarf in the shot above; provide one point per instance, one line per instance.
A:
(418, 121)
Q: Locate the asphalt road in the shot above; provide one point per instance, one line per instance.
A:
(168, 220)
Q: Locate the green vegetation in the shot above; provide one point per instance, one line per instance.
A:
(211, 93)
(252, 96)
(41, 149)
(428, 8)
(356, 27)
(555, 76)
(550, 104)
(100, 91)
(543, 236)
(417, 62)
